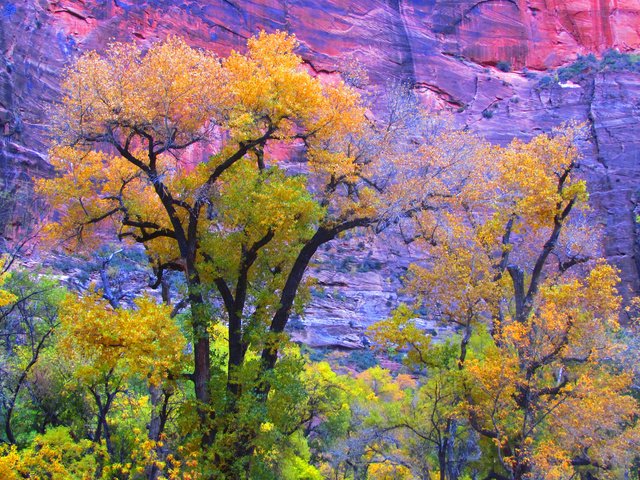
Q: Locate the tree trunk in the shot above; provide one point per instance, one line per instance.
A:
(202, 362)
(289, 292)
(159, 415)
(453, 472)
(200, 325)
(7, 427)
(442, 462)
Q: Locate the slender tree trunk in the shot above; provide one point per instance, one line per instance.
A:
(453, 472)
(102, 427)
(289, 292)
(159, 401)
(442, 462)
(464, 342)
(236, 354)
(202, 362)
(23, 377)
(7, 426)
(200, 325)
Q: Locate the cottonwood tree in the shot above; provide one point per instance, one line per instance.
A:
(508, 257)
(241, 230)
(125, 120)
(552, 311)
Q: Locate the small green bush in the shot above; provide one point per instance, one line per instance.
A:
(546, 81)
(504, 66)
(369, 264)
(318, 292)
(362, 359)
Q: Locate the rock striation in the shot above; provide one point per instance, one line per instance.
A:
(482, 59)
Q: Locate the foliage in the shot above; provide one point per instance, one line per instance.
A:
(535, 335)
(27, 322)
(536, 382)
(53, 455)
(6, 297)
(240, 230)
(504, 65)
(142, 342)
(487, 113)
(362, 359)
(587, 65)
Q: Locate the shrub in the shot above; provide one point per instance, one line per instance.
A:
(362, 359)
(369, 264)
(317, 354)
(504, 65)
(583, 64)
(546, 81)
(54, 454)
(339, 296)
(345, 265)
(318, 292)
(294, 324)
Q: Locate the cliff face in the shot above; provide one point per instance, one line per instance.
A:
(448, 48)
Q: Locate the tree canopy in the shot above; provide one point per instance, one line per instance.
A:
(225, 177)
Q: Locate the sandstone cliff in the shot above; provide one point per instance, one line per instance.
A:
(448, 49)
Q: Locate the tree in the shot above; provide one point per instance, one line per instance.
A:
(511, 255)
(241, 231)
(28, 318)
(106, 348)
(289, 164)
(126, 118)
(549, 372)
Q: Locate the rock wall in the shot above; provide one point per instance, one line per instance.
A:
(448, 48)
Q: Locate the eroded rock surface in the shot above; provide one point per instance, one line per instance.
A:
(448, 49)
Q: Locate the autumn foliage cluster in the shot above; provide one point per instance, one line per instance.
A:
(222, 178)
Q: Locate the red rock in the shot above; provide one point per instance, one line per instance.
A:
(444, 46)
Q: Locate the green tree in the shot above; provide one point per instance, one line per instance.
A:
(28, 318)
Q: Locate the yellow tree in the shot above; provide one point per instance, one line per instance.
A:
(107, 348)
(240, 230)
(537, 391)
(511, 252)
(124, 125)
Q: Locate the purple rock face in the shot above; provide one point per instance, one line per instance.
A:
(614, 115)
(448, 49)
(608, 103)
